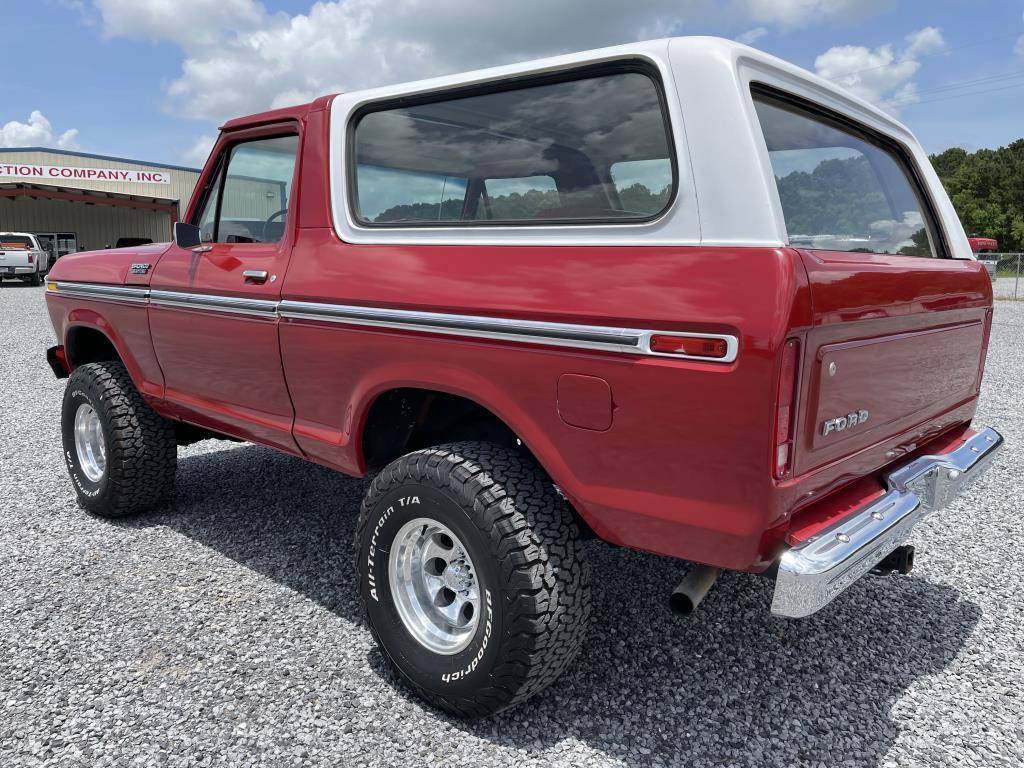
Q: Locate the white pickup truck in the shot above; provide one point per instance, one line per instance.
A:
(22, 256)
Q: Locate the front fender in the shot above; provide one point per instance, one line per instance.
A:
(125, 326)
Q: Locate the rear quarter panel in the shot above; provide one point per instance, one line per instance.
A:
(684, 468)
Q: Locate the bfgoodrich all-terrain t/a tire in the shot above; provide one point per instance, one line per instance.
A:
(472, 576)
(121, 455)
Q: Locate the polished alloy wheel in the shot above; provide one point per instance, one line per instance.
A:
(434, 586)
(90, 444)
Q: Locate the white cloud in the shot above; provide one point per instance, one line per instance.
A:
(795, 13)
(882, 75)
(187, 22)
(240, 58)
(199, 151)
(751, 36)
(924, 42)
(1019, 48)
(37, 132)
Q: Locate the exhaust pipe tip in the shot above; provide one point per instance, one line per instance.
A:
(692, 589)
(681, 603)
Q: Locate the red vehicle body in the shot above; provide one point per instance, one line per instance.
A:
(725, 464)
(303, 395)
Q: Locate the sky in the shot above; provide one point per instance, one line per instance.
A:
(152, 79)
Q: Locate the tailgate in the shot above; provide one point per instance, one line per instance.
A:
(894, 353)
(13, 257)
(897, 344)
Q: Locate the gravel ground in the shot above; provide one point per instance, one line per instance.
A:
(225, 630)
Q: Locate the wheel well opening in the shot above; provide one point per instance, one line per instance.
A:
(407, 419)
(88, 345)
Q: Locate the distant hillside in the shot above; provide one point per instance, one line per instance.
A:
(987, 189)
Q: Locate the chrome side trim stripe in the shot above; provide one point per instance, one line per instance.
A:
(116, 293)
(228, 304)
(558, 334)
(596, 337)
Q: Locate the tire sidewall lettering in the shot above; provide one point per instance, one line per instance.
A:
(436, 672)
(87, 490)
(488, 627)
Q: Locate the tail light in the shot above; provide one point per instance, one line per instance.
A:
(785, 413)
(690, 346)
(30, 257)
(984, 349)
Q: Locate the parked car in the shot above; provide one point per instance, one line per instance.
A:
(21, 256)
(982, 248)
(536, 307)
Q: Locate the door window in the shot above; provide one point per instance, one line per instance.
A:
(207, 221)
(249, 203)
(840, 189)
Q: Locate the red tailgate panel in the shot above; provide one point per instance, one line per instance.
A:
(908, 376)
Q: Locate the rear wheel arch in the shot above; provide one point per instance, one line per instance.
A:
(398, 420)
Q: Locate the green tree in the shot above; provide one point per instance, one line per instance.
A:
(987, 190)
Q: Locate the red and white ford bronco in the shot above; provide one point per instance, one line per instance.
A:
(678, 295)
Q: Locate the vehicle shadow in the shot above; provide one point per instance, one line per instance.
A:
(730, 685)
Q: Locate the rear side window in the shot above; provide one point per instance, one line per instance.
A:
(548, 152)
(840, 190)
(400, 195)
(518, 199)
(643, 185)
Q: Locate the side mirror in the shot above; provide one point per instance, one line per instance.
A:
(187, 235)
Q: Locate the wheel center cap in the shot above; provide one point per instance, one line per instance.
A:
(456, 577)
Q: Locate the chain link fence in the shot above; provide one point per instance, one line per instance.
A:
(1008, 281)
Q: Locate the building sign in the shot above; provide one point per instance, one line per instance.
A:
(52, 173)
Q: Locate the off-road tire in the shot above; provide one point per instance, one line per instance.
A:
(525, 545)
(142, 454)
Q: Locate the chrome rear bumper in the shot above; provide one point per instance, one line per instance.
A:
(813, 573)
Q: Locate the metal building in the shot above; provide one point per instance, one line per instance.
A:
(75, 201)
